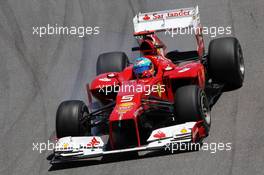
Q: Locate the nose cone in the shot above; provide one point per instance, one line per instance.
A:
(126, 107)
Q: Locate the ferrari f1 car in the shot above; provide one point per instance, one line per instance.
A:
(171, 107)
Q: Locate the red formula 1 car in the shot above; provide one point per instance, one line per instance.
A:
(170, 107)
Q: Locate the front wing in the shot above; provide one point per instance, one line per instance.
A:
(86, 147)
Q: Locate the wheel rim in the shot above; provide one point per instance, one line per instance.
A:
(241, 62)
(205, 109)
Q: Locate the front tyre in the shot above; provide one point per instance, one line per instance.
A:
(191, 104)
(71, 119)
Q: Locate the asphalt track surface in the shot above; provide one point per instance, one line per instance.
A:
(36, 74)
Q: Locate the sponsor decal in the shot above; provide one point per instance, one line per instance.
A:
(159, 90)
(146, 17)
(159, 135)
(184, 69)
(183, 131)
(105, 79)
(124, 107)
(172, 14)
(65, 145)
(111, 75)
(168, 68)
(179, 13)
(127, 98)
(93, 142)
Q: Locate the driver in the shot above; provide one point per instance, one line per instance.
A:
(143, 68)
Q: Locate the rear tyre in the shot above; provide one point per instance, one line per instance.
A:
(226, 62)
(69, 119)
(111, 62)
(191, 104)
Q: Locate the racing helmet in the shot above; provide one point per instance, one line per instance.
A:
(143, 68)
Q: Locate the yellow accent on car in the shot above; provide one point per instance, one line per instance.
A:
(184, 131)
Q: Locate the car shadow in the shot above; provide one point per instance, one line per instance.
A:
(112, 159)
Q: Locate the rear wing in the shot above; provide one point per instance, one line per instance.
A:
(167, 20)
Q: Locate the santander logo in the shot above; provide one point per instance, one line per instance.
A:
(169, 14)
(146, 17)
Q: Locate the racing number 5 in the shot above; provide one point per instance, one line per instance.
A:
(127, 98)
